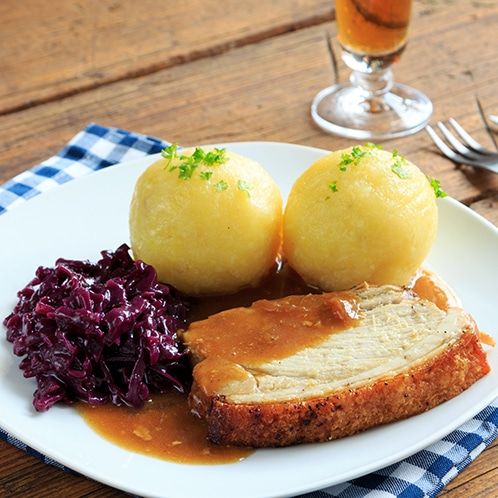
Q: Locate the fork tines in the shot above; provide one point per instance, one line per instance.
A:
(464, 149)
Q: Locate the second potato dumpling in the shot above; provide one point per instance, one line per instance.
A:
(209, 221)
(359, 215)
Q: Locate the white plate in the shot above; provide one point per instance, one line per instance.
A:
(79, 219)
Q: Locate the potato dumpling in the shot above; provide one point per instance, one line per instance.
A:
(359, 214)
(208, 226)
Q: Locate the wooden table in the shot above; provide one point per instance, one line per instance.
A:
(203, 71)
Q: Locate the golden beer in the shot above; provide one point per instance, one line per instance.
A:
(373, 27)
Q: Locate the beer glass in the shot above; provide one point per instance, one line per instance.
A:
(372, 35)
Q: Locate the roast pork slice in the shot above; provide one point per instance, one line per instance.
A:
(401, 356)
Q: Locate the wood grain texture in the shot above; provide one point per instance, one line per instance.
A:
(73, 46)
(479, 480)
(263, 92)
(487, 207)
(204, 79)
(24, 476)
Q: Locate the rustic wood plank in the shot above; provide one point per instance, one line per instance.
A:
(475, 479)
(263, 92)
(485, 488)
(19, 472)
(487, 207)
(46, 53)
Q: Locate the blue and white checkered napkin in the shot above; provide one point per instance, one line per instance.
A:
(421, 475)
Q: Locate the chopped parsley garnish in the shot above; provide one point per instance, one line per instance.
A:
(352, 158)
(205, 175)
(214, 157)
(244, 187)
(398, 166)
(436, 186)
(333, 186)
(221, 185)
(198, 155)
(187, 167)
(398, 169)
(169, 153)
(189, 163)
(346, 160)
(357, 153)
(370, 145)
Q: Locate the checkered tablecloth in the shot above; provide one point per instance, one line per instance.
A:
(421, 475)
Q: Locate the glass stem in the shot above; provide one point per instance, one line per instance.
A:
(373, 85)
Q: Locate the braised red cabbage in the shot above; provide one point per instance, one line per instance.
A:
(103, 332)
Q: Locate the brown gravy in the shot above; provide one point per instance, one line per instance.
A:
(274, 329)
(165, 428)
(428, 285)
(280, 282)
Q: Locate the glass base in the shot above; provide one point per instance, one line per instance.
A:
(345, 110)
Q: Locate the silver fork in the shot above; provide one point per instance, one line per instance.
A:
(463, 151)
